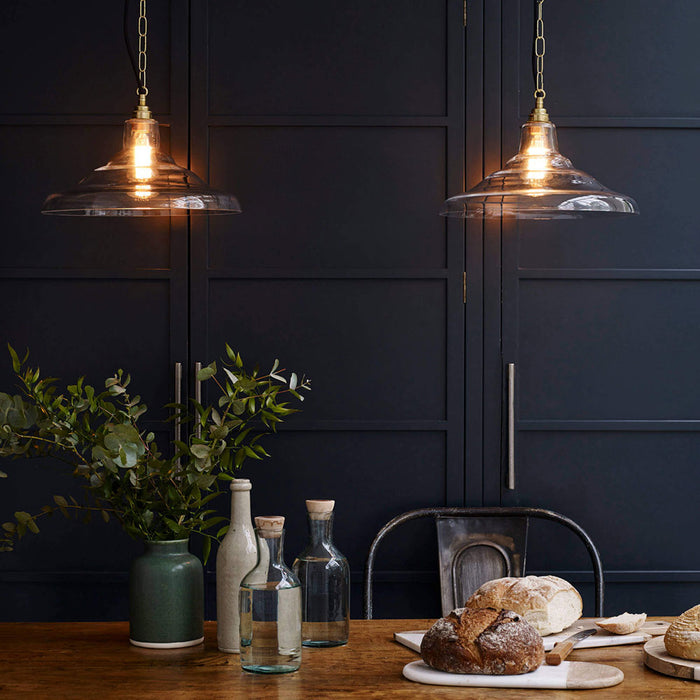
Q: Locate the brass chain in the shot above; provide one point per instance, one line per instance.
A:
(539, 52)
(143, 30)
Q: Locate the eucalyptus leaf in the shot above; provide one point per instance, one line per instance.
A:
(206, 372)
(200, 451)
(16, 365)
(231, 376)
(125, 441)
(218, 432)
(206, 549)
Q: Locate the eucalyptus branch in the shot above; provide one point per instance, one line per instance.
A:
(122, 470)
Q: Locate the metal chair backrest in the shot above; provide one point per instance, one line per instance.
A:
(477, 545)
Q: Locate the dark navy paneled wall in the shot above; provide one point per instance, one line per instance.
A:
(342, 127)
(601, 317)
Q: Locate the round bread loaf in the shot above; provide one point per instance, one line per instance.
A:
(549, 603)
(486, 641)
(682, 638)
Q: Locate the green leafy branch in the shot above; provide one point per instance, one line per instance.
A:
(123, 473)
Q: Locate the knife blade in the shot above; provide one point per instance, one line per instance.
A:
(562, 649)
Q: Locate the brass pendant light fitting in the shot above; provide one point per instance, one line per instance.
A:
(538, 182)
(140, 180)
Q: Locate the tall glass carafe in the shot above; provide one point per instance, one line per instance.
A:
(270, 606)
(324, 574)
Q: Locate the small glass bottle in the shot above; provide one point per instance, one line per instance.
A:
(270, 606)
(325, 581)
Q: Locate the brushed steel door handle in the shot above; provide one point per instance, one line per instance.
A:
(198, 395)
(178, 398)
(510, 484)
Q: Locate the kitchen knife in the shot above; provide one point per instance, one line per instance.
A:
(562, 649)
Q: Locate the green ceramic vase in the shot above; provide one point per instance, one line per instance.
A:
(166, 597)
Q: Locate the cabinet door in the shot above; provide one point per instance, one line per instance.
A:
(86, 295)
(601, 316)
(340, 128)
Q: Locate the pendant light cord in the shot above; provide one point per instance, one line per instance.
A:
(538, 51)
(129, 47)
(534, 35)
(138, 65)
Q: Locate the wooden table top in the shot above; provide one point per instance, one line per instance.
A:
(95, 659)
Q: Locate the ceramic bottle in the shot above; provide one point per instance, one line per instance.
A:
(237, 555)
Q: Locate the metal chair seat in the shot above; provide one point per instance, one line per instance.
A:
(480, 544)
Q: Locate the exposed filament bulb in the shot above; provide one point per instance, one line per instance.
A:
(141, 142)
(536, 149)
(143, 158)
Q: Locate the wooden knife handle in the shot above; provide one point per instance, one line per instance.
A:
(559, 652)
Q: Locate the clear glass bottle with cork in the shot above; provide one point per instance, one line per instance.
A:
(324, 574)
(270, 606)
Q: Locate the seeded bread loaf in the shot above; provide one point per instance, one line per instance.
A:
(485, 641)
(549, 603)
(682, 638)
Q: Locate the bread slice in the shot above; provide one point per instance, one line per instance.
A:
(623, 624)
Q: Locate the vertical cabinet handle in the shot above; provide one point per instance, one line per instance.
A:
(198, 393)
(178, 398)
(511, 426)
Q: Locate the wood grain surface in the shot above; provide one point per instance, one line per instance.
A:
(95, 660)
(657, 658)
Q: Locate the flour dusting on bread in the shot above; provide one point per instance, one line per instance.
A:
(549, 603)
(483, 641)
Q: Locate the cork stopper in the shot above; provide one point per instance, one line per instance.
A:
(272, 525)
(241, 485)
(320, 509)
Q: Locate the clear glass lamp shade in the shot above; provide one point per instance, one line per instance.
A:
(141, 181)
(538, 183)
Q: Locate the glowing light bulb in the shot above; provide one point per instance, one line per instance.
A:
(142, 154)
(537, 143)
(535, 170)
(536, 151)
(143, 157)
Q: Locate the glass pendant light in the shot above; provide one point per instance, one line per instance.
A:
(538, 182)
(141, 180)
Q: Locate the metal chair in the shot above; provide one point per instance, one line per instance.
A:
(477, 545)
